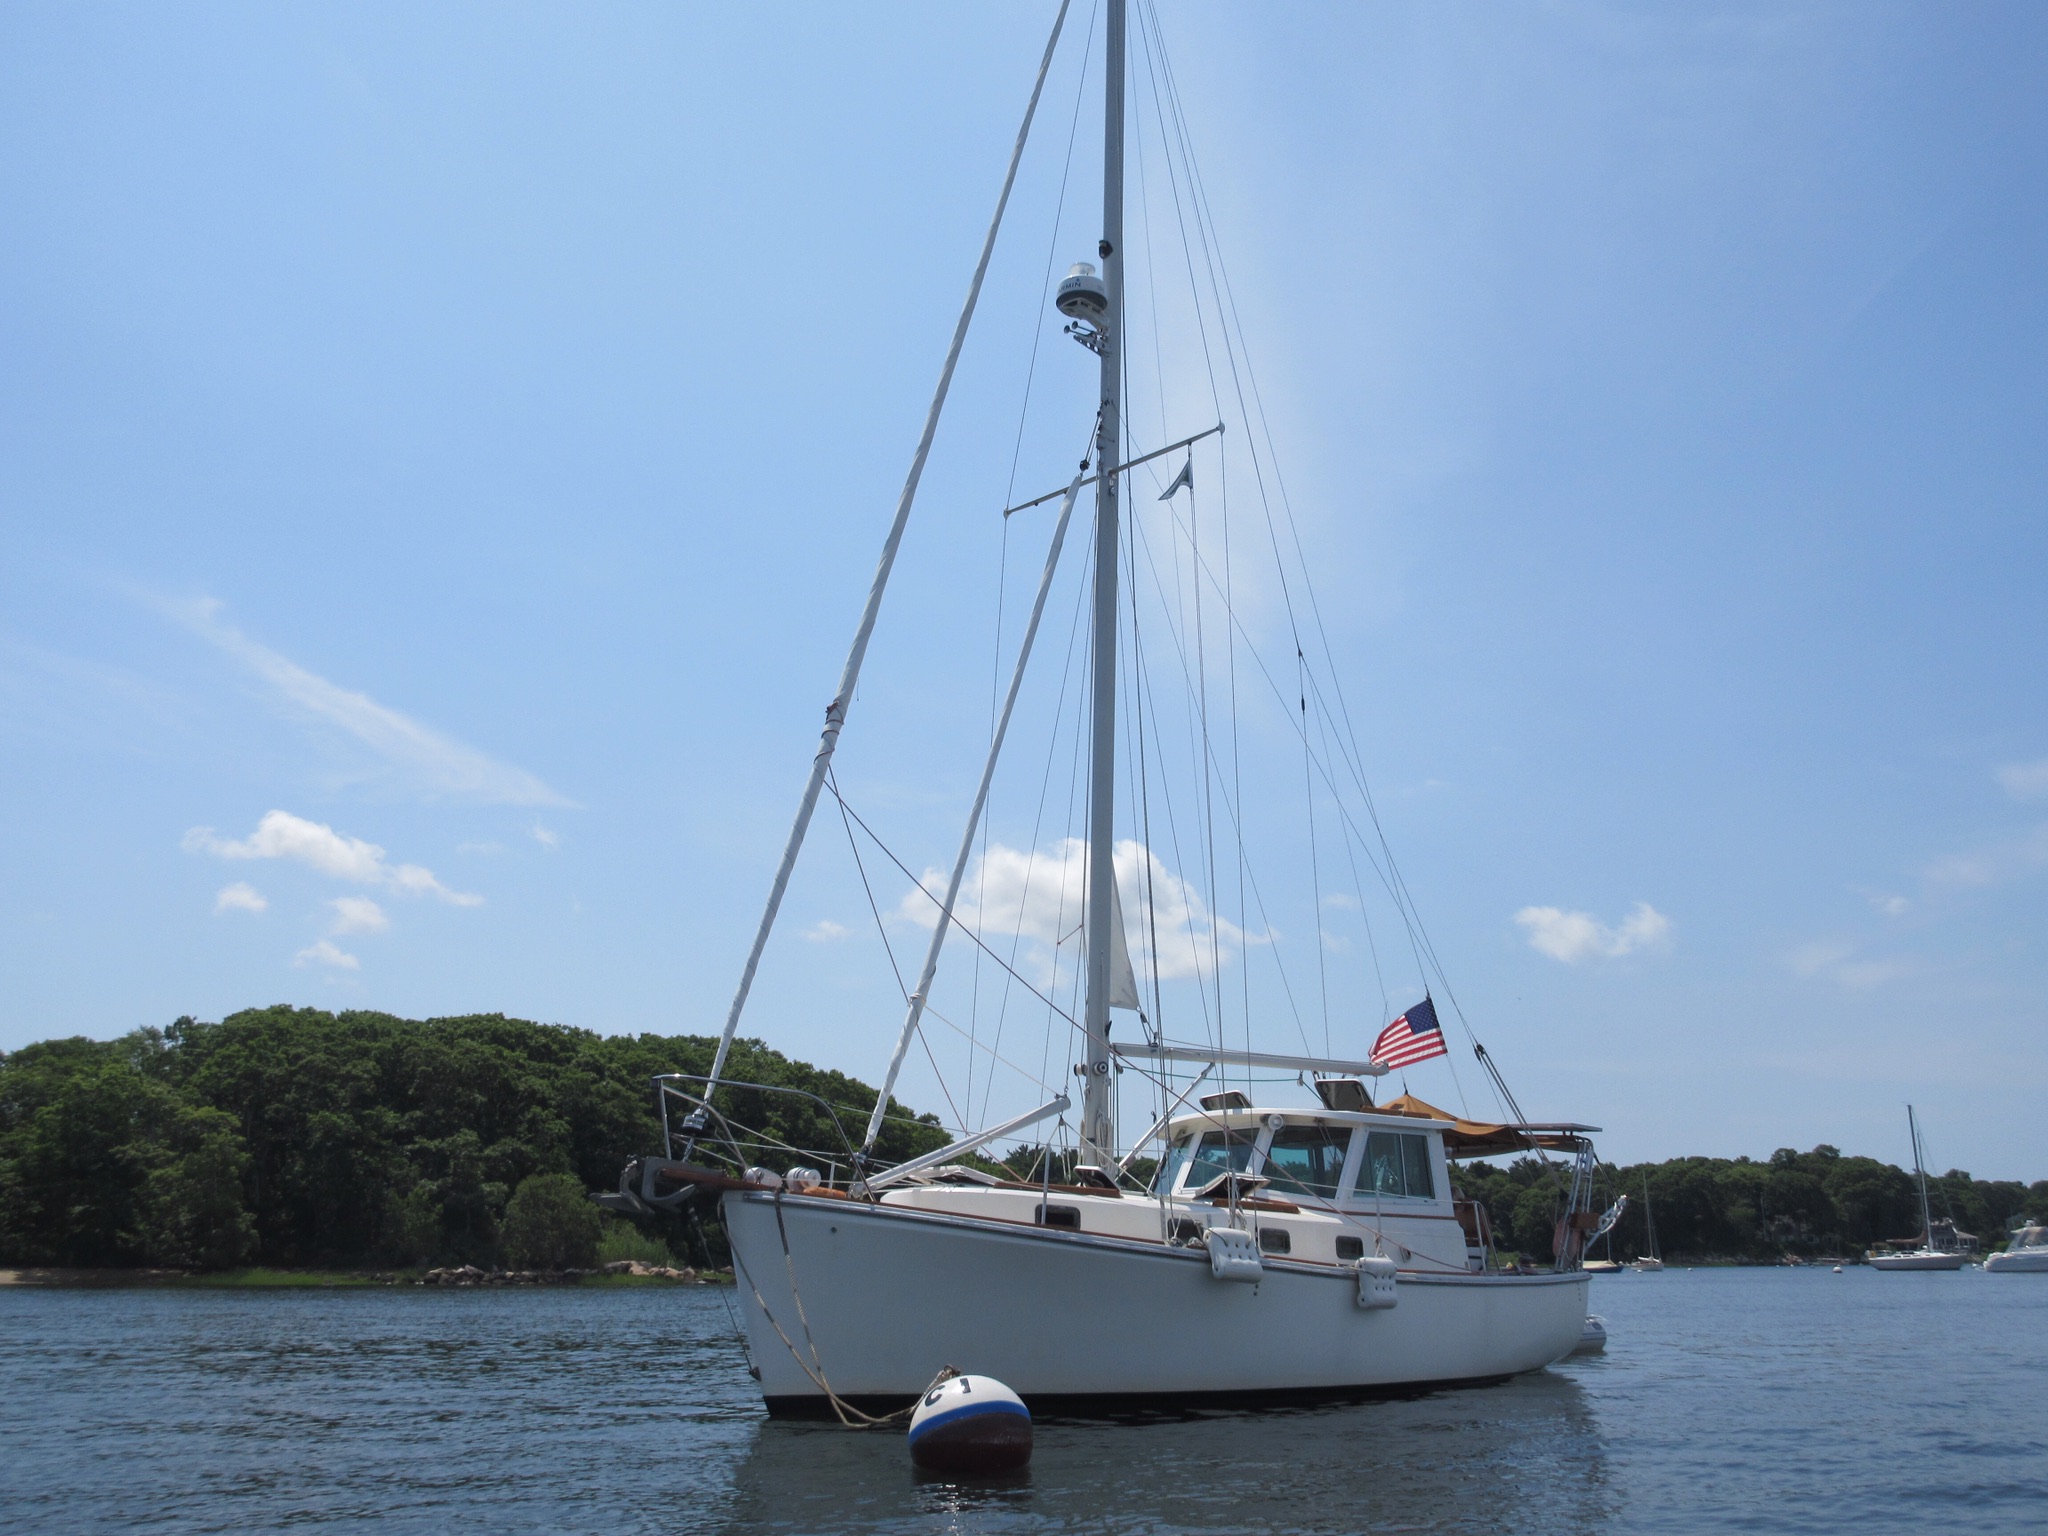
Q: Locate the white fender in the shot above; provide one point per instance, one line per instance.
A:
(1376, 1282)
(1234, 1255)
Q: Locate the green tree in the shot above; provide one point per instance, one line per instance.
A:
(78, 1137)
(1535, 1222)
(552, 1224)
(1875, 1200)
(192, 1213)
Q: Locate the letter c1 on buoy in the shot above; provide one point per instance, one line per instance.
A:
(970, 1424)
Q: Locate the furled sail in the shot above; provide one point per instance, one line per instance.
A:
(1123, 981)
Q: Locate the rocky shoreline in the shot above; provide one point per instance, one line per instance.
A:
(469, 1274)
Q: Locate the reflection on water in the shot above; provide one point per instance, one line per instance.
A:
(1523, 1456)
(1754, 1400)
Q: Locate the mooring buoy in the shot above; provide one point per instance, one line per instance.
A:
(971, 1424)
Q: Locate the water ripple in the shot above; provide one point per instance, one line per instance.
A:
(1729, 1401)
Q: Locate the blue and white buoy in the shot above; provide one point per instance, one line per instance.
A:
(971, 1424)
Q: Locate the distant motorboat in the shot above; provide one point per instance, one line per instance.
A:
(1593, 1339)
(1929, 1255)
(2027, 1253)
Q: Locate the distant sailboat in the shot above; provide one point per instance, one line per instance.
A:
(1926, 1256)
(1649, 1263)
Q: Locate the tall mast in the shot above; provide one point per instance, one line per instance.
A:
(1098, 1125)
(1920, 1173)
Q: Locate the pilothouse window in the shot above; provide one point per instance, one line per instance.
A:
(1176, 1159)
(1217, 1153)
(1396, 1164)
(1307, 1159)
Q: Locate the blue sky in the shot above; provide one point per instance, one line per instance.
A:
(443, 451)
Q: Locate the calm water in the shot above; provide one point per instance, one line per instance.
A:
(1761, 1400)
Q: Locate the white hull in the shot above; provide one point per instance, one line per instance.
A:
(890, 1294)
(2029, 1261)
(1648, 1266)
(1922, 1260)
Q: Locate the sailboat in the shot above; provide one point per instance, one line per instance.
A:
(1282, 1251)
(1607, 1263)
(1648, 1263)
(1926, 1255)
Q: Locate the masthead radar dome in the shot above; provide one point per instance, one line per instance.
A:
(1082, 296)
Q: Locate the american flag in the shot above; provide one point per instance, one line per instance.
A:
(1411, 1038)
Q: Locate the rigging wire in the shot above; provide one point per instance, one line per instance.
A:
(918, 885)
(1037, 827)
(1258, 897)
(1233, 345)
(1308, 795)
(1331, 751)
(832, 783)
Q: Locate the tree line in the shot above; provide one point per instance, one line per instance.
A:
(1793, 1204)
(299, 1138)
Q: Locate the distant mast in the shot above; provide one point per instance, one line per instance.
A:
(1920, 1173)
(1098, 1121)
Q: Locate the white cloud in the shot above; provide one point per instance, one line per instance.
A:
(1832, 960)
(2009, 860)
(357, 914)
(547, 837)
(825, 931)
(281, 835)
(1575, 936)
(1038, 897)
(1820, 956)
(324, 952)
(1891, 906)
(444, 765)
(239, 897)
(2025, 781)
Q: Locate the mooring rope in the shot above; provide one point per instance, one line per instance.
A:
(848, 1415)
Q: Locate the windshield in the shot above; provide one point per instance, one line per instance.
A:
(1176, 1159)
(1307, 1159)
(1220, 1152)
